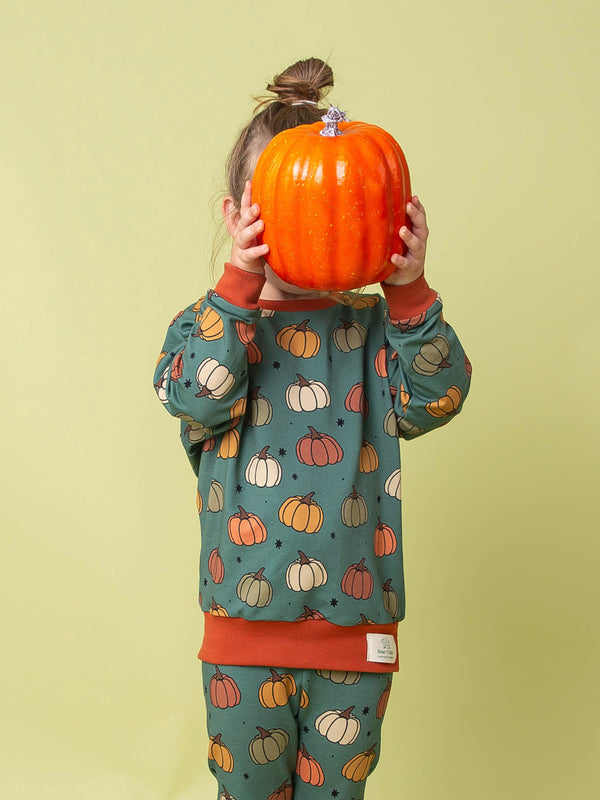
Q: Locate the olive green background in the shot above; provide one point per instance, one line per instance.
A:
(116, 119)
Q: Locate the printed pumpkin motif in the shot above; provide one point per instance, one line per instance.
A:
(384, 540)
(216, 496)
(302, 514)
(354, 510)
(214, 379)
(305, 574)
(404, 398)
(390, 423)
(196, 432)
(284, 792)
(356, 400)
(447, 405)
(393, 484)
(349, 336)
(358, 581)
(308, 768)
(177, 367)
(468, 367)
(383, 700)
(245, 528)
(368, 460)
(260, 410)
(339, 727)
(225, 795)
(299, 340)
(210, 326)
(276, 690)
(406, 429)
(309, 613)
(432, 356)
(318, 449)
(199, 502)
(263, 470)
(339, 676)
(358, 768)
(254, 589)
(391, 601)
(223, 690)
(230, 443)
(219, 752)
(268, 745)
(217, 610)
(306, 395)
(246, 333)
(216, 567)
(381, 367)
(410, 322)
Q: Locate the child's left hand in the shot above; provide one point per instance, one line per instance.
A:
(411, 265)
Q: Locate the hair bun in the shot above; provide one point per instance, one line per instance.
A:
(306, 80)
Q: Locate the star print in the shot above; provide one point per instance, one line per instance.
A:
(334, 792)
(238, 488)
(379, 498)
(205, 582)
(340, 422)
(278, 543)
(368, 733)
(295, 477)
(192, 355)
(246, 776)
(305, 728)
(276, 365)
(187, 383)
(282, 451)
(172, 355)
(366, 710)
(333, 602)
(332, 534)
(239, 560)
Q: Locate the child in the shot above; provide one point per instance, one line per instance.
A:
(291, 403)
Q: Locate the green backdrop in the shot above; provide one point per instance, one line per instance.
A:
(116, 119)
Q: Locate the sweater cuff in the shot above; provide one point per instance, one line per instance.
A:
(240, 287)
(409, 300)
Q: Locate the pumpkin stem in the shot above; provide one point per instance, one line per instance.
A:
(218, 673)
(258, 576)
(314, 433)
(243, 514)
(263, 453)
(302, 381)
(217, 739)
(275, 676)
(331, 119)
(387, 585)
(307, 499)
(303, 559)
(262, 732)
(346, 714)
(302, 326)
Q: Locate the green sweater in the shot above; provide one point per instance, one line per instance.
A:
(290, 416)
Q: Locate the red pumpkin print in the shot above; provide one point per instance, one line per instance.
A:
(216, 567)
(284, 792)
(318, 449)
(358, 581)
(356, 400)
(383, 700)
(385, 542)
(223, 690)
(309, 613)
(177, 367)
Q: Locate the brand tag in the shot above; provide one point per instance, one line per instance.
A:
(381, 648)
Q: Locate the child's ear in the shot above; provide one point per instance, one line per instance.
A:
(231, 214)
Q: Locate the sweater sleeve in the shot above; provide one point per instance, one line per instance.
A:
(429, 372)
(201, 375)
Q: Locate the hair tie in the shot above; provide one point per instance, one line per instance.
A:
(302, 102)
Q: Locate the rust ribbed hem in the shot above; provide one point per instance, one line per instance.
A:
(311, 644)
(409, 300)
(240, 287)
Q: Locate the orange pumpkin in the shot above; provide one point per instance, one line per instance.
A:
(333, 198)
(284, 792)
(383, 700)
(216, 567)
(275, 691)
(308, 768)
(309, 613)
(447, 405)
(357, 769)
(299, 340)
(219, 752)
(368, 460)
(385, 541)
(217, 610)
(356, 400)
(245, 528)
(223, 690)
(302, 514)
(211, 326)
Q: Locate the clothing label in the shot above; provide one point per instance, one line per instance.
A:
(381, 648)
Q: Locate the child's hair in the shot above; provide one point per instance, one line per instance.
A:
(297, 93)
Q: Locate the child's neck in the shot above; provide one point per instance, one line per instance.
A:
(276, 289)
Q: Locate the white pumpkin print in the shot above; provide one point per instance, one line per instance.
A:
(160, 387)
(340, 727)
(214, 379)
(393, 484)
(263, 470)
(306, 395)
(305, 574)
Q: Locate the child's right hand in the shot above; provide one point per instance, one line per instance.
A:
(244, 226)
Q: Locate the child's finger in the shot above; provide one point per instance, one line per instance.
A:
(412, 241)
(247, 234)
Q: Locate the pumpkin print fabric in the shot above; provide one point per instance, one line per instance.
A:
(278, 733)
(290, 415)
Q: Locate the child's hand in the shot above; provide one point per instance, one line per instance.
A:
(410, 266)
(244, 226)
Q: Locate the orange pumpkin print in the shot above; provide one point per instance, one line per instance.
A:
(245, 528)
(177, 367)
(210, 327)
(368, 460)
(318, 449)
(223, 691)
(302, 514)
(358, 768)
(385, 542)
(299, 340)
(358, 581)
(356, 400)
(219, 752)
(216, 567)
(308, 768)
(447, 405)
(284, 792)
